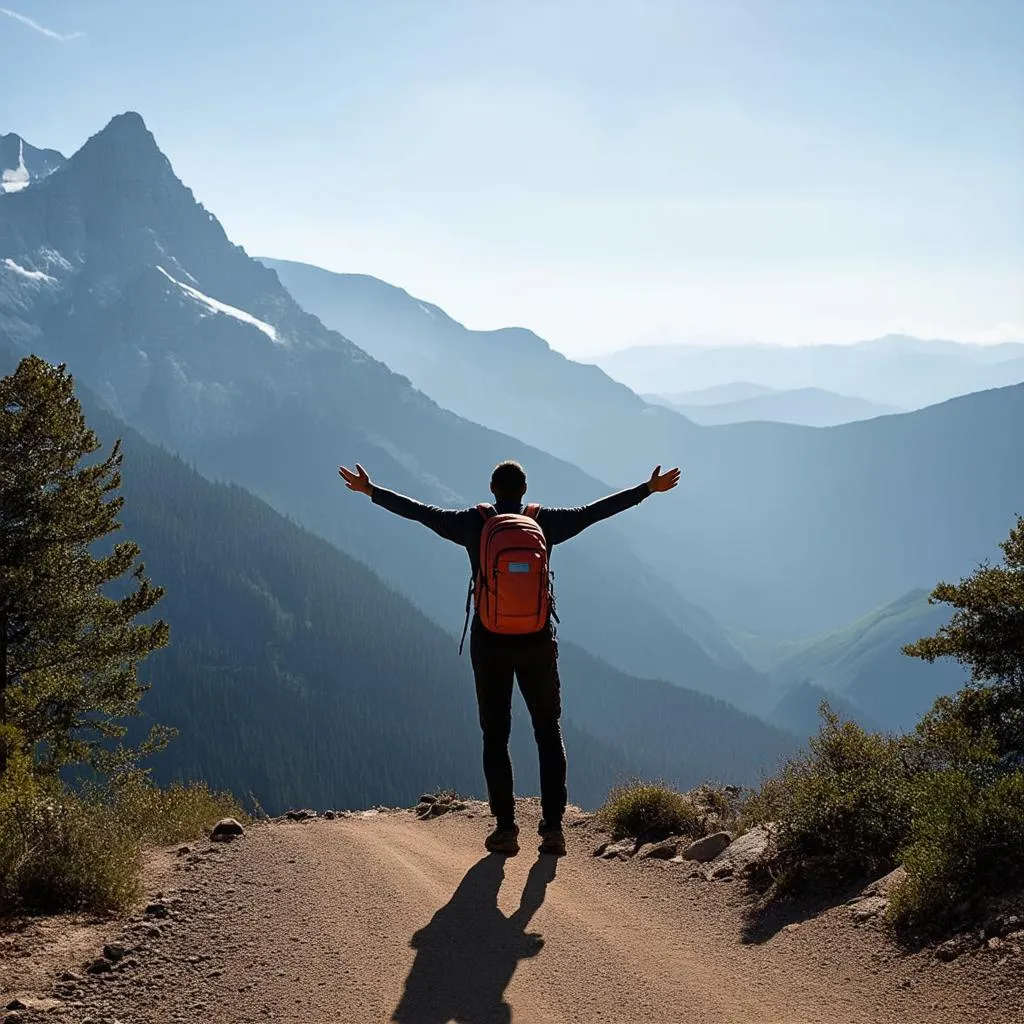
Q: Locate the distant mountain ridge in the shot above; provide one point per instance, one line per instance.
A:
(781, 530)
(898, 371)
(809, 407)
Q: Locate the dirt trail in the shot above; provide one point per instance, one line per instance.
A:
(386, 918)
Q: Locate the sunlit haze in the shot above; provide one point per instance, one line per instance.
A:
(606, 174)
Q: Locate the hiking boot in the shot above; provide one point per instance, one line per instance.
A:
(504, 839)
(552, 840)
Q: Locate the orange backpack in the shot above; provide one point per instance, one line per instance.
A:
(512, 589)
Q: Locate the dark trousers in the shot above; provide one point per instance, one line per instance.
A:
(533, 661)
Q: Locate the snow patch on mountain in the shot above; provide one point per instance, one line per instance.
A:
(17, 178)
(31, 275)
(51, 259)
(216, 306)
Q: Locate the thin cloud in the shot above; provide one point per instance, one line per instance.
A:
(48, 32)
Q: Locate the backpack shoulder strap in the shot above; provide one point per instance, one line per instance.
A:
(532, 509)
(486, 510)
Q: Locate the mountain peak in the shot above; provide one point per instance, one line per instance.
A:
(21, 163)
(125, 146)
(127, 124)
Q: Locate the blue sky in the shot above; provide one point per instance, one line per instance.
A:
(604, 173)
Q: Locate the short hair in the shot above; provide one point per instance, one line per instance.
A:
(508, 481)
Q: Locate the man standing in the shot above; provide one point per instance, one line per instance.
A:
(512, 634)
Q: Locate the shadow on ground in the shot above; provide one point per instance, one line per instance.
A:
(765, 917)
(467, 954)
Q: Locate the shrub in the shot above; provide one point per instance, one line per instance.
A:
(76, 856)
(172, 815)
(843, 809)
(59, 852)
(966, 844)
(62, 850)
(649, 809)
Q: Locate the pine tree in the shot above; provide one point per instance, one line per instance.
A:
(986, 635)
(70, 644)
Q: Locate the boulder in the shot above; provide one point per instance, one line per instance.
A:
(622, 850)
(706, 849)
(303, 814)
(226, 830)
(665, 850)
(741, 854)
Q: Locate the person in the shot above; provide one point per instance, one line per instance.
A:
(531, 658)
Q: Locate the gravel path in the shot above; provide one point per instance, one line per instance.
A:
(383, 917)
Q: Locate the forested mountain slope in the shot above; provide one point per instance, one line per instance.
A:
(293, 672)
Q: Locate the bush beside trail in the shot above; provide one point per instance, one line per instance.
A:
(62, 850)
(649, 811)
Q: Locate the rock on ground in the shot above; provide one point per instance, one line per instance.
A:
(708, 848)
(740, 855)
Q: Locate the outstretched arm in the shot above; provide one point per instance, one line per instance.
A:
(560, 524)
(447, 523)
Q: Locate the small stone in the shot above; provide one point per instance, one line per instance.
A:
(184, 851)
(226, 830)
(99, 966)
(868, 908)
(157, 909)
(70, 976)
(302, 814)
(949, 950)
(330, 815)
(17, 1004)
(708, 848)
(994, 942)
(114, 951)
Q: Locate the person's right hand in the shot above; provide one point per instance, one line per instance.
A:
(662, 481)
(357, 481)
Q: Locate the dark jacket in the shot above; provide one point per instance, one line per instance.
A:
(464, 526)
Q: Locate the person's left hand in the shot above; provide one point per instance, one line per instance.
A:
(662, 481)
